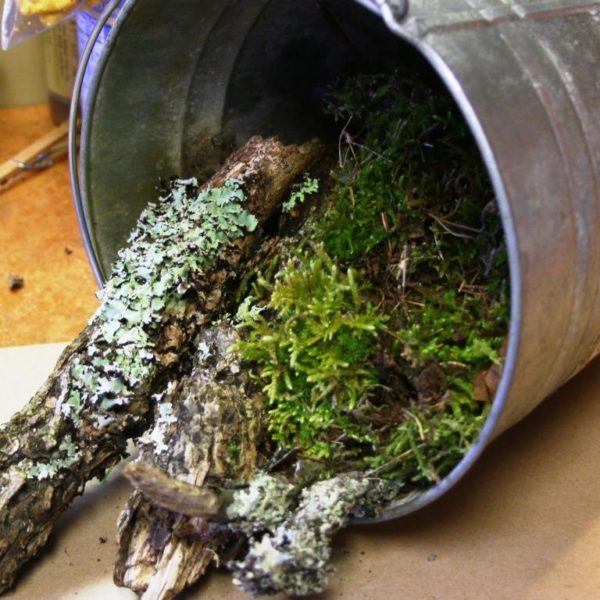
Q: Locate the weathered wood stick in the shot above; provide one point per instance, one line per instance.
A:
(172, 493)
(181, 517)
(288, 529)
(208, 431)
(174, 276)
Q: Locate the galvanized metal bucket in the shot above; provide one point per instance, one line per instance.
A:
(178, 81)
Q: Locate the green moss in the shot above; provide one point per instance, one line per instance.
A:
(411, 217)
(313, 339)
(456, 328)
(233, 453)
(427, 445)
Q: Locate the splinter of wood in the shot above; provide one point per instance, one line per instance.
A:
(177, 496)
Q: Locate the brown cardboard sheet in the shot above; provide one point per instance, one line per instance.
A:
(524, 524)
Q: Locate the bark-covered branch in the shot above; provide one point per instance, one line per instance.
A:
(289, 547)
(175, 275)
(288, 530)
(207, 431)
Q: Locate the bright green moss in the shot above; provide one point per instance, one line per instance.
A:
(427, 445)
(313, 340)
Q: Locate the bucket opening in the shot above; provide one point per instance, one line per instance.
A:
(198, 80)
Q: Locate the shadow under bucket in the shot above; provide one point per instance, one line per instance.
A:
(178, 83)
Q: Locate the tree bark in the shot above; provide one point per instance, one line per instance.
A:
(202, 491)
(211, 435)
(100, 392)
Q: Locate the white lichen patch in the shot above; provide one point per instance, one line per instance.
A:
(292, 555)
(203, 351)
(262, 505)
(174, 241)
(157, 435)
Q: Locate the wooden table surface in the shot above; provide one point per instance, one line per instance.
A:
(40, 241)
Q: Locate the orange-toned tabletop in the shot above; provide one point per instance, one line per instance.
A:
(40, 242)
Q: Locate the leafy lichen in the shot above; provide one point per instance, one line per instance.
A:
(174, 240)
(292, 554)
(262, 505)
(310, 185)
(173, 243)
(68, 454)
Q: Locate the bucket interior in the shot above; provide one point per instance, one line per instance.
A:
(181, 85)
(291, 57)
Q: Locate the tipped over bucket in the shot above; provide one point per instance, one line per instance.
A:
(178, 83)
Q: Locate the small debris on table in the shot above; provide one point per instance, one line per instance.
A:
(15, 282)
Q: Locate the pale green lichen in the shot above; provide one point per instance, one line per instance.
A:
(289, 532)
(69, 454)
(291, 552)
(309, 186)
(175, 240)
(262, 505)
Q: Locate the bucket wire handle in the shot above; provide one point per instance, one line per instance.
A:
(72, 142)
(394, 10)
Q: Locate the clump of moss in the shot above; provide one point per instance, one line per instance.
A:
(412, 217)
(314, 340)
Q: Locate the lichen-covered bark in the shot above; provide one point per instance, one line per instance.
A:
(287, 528)
(168, 283)
(207, 431)
(291, 554)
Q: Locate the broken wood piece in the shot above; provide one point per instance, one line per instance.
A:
(177, 496)
(208, 429)
(177, 272)
(40, 154)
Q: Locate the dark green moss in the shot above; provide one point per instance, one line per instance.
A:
(409, 241)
